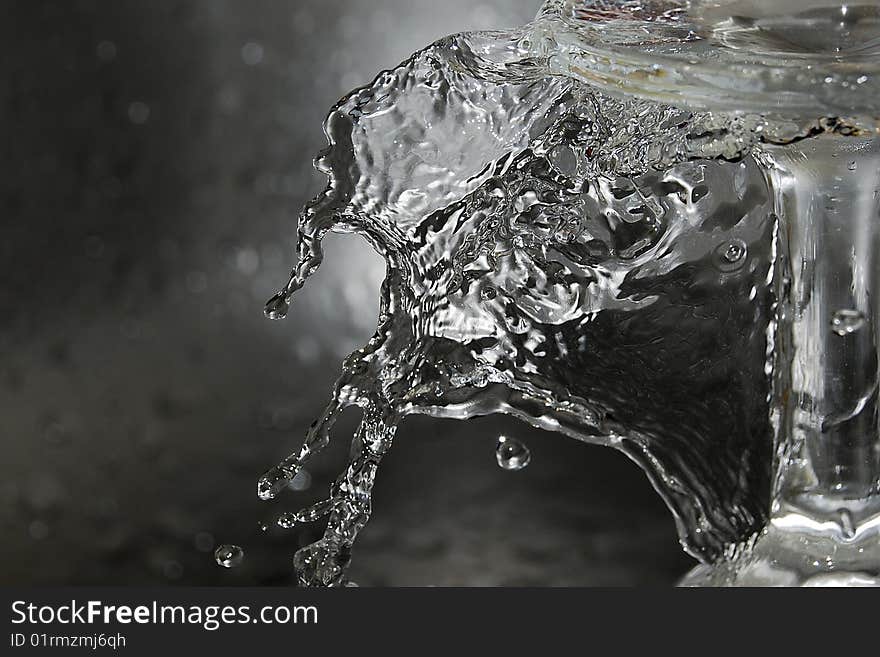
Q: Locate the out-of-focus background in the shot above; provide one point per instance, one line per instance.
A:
(155, 155)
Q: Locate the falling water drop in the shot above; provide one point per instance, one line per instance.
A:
(228, 556)
(845, 322)
(274, 481)
(511, 454)
(277, 306)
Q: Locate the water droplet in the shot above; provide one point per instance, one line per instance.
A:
(847, 526)
(273, 482)
(511, 454)
(228, 556)
(734, 252)
(844, 322)
(488, 293)
(852, 166)
(277, 306)
(731, 255)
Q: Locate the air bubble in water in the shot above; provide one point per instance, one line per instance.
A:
(844, 322)
(734, 252)
(731, 255)
(228, 556)
(511, 454)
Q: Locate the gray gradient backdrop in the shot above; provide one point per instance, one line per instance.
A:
(155, 156)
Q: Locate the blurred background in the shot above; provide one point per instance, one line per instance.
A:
(155, 156)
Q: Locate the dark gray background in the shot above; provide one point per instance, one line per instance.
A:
(155, 155)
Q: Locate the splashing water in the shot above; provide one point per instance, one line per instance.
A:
(583, 262)
(511, 454)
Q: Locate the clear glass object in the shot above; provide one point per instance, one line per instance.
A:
(651, 225)
(824, 525)
(793, 60)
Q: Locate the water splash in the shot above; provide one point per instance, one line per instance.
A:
(593, 265)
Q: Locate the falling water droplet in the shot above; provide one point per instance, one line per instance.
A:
(512, 454)
(847, 526)
(228, 556)
(277, 306)
(844, 322)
